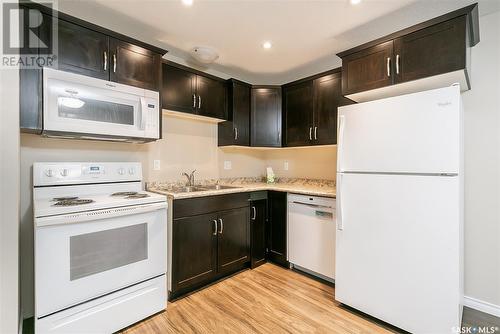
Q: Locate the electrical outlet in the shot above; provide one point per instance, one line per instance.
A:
(228, 164)
(156, 165)
(285, 165)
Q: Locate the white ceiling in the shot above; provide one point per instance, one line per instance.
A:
(306, 35)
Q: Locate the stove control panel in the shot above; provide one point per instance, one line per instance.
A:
(53, 173)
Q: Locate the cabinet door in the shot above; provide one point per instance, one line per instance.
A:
(178, 89)
(133, 65)
(276, 231)
(211, 97)
(431, 51)
(368, 69)
(83, 51)
(258, 217)
(298, 105)
(234, 239)
(327, 98)
(265, 117)
(194, 250)
(236, 131)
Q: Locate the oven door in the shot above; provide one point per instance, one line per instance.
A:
(76, 104)
(84, 256)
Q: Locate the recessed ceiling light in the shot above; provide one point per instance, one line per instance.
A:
(187, 2)
(267, 45)
(355, 2)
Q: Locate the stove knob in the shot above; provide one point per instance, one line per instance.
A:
(121, 171)
(64, 172)
(49, 172)
(131, 171)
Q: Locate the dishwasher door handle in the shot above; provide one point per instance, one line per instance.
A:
(313, 205)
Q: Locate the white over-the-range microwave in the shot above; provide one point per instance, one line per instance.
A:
(77, 106)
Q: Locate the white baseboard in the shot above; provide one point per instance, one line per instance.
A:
(482, 306)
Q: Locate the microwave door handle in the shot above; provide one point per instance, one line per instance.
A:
(143, 109)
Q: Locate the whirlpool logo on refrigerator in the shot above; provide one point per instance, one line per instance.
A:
(444, 104)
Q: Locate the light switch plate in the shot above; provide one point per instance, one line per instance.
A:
(285, 165)
(156, 164)
(228, 164)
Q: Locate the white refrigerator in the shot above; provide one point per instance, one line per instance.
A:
(399, 239)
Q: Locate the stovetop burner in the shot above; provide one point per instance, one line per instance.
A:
(65, 198)
(137, 195)
(125, 193)
(71, 202)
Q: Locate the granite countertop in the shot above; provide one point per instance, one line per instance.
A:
(313, 187)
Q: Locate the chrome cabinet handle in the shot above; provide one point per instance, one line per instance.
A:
(215, 227)
(221, 225)
(194, 100)
(114, 63)
(315, 133)
(397, 64)
(310, 133)
(388, 66)
(199, 102)
(235, 133)
(254, 213)
(105, 61)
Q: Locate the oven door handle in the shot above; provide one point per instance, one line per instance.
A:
(79, 217)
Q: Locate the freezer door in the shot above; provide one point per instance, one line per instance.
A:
(415, 133)
(398, 252)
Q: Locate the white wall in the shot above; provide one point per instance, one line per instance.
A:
(482, 167)
(9, 200)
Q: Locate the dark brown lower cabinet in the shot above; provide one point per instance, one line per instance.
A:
(276, 227)
(210, 239)
(194, 249)
(233, 239)
(258, 218)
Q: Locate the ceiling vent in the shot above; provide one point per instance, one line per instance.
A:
(204, 54)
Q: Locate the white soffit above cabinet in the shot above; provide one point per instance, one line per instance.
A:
(305, 34)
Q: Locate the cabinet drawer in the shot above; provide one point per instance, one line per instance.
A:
(201, 205)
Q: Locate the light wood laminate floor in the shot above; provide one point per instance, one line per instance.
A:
(268, 299)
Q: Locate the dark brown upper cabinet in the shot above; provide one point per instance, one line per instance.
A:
(368, 69)
(95, 54)
(310, 109)
(298, 113)
(437, 48)
(178, 89)
(211, 97)
(133, 65)
(236, 131)
(189, 91)
(265, 116)
(83, 51)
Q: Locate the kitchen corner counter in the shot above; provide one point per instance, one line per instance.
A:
(323, 188)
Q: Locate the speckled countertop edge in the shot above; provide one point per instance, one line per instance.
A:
(313, 187)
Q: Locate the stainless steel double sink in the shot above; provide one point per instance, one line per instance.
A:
(190, 189)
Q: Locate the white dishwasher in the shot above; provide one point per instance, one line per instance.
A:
(311, 234)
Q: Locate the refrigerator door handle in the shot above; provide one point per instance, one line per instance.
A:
(340, 223)
(341, 142)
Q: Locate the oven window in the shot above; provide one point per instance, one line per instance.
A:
(94, 110)
(96, 252)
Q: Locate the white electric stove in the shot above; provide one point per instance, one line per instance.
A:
(100, 247)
